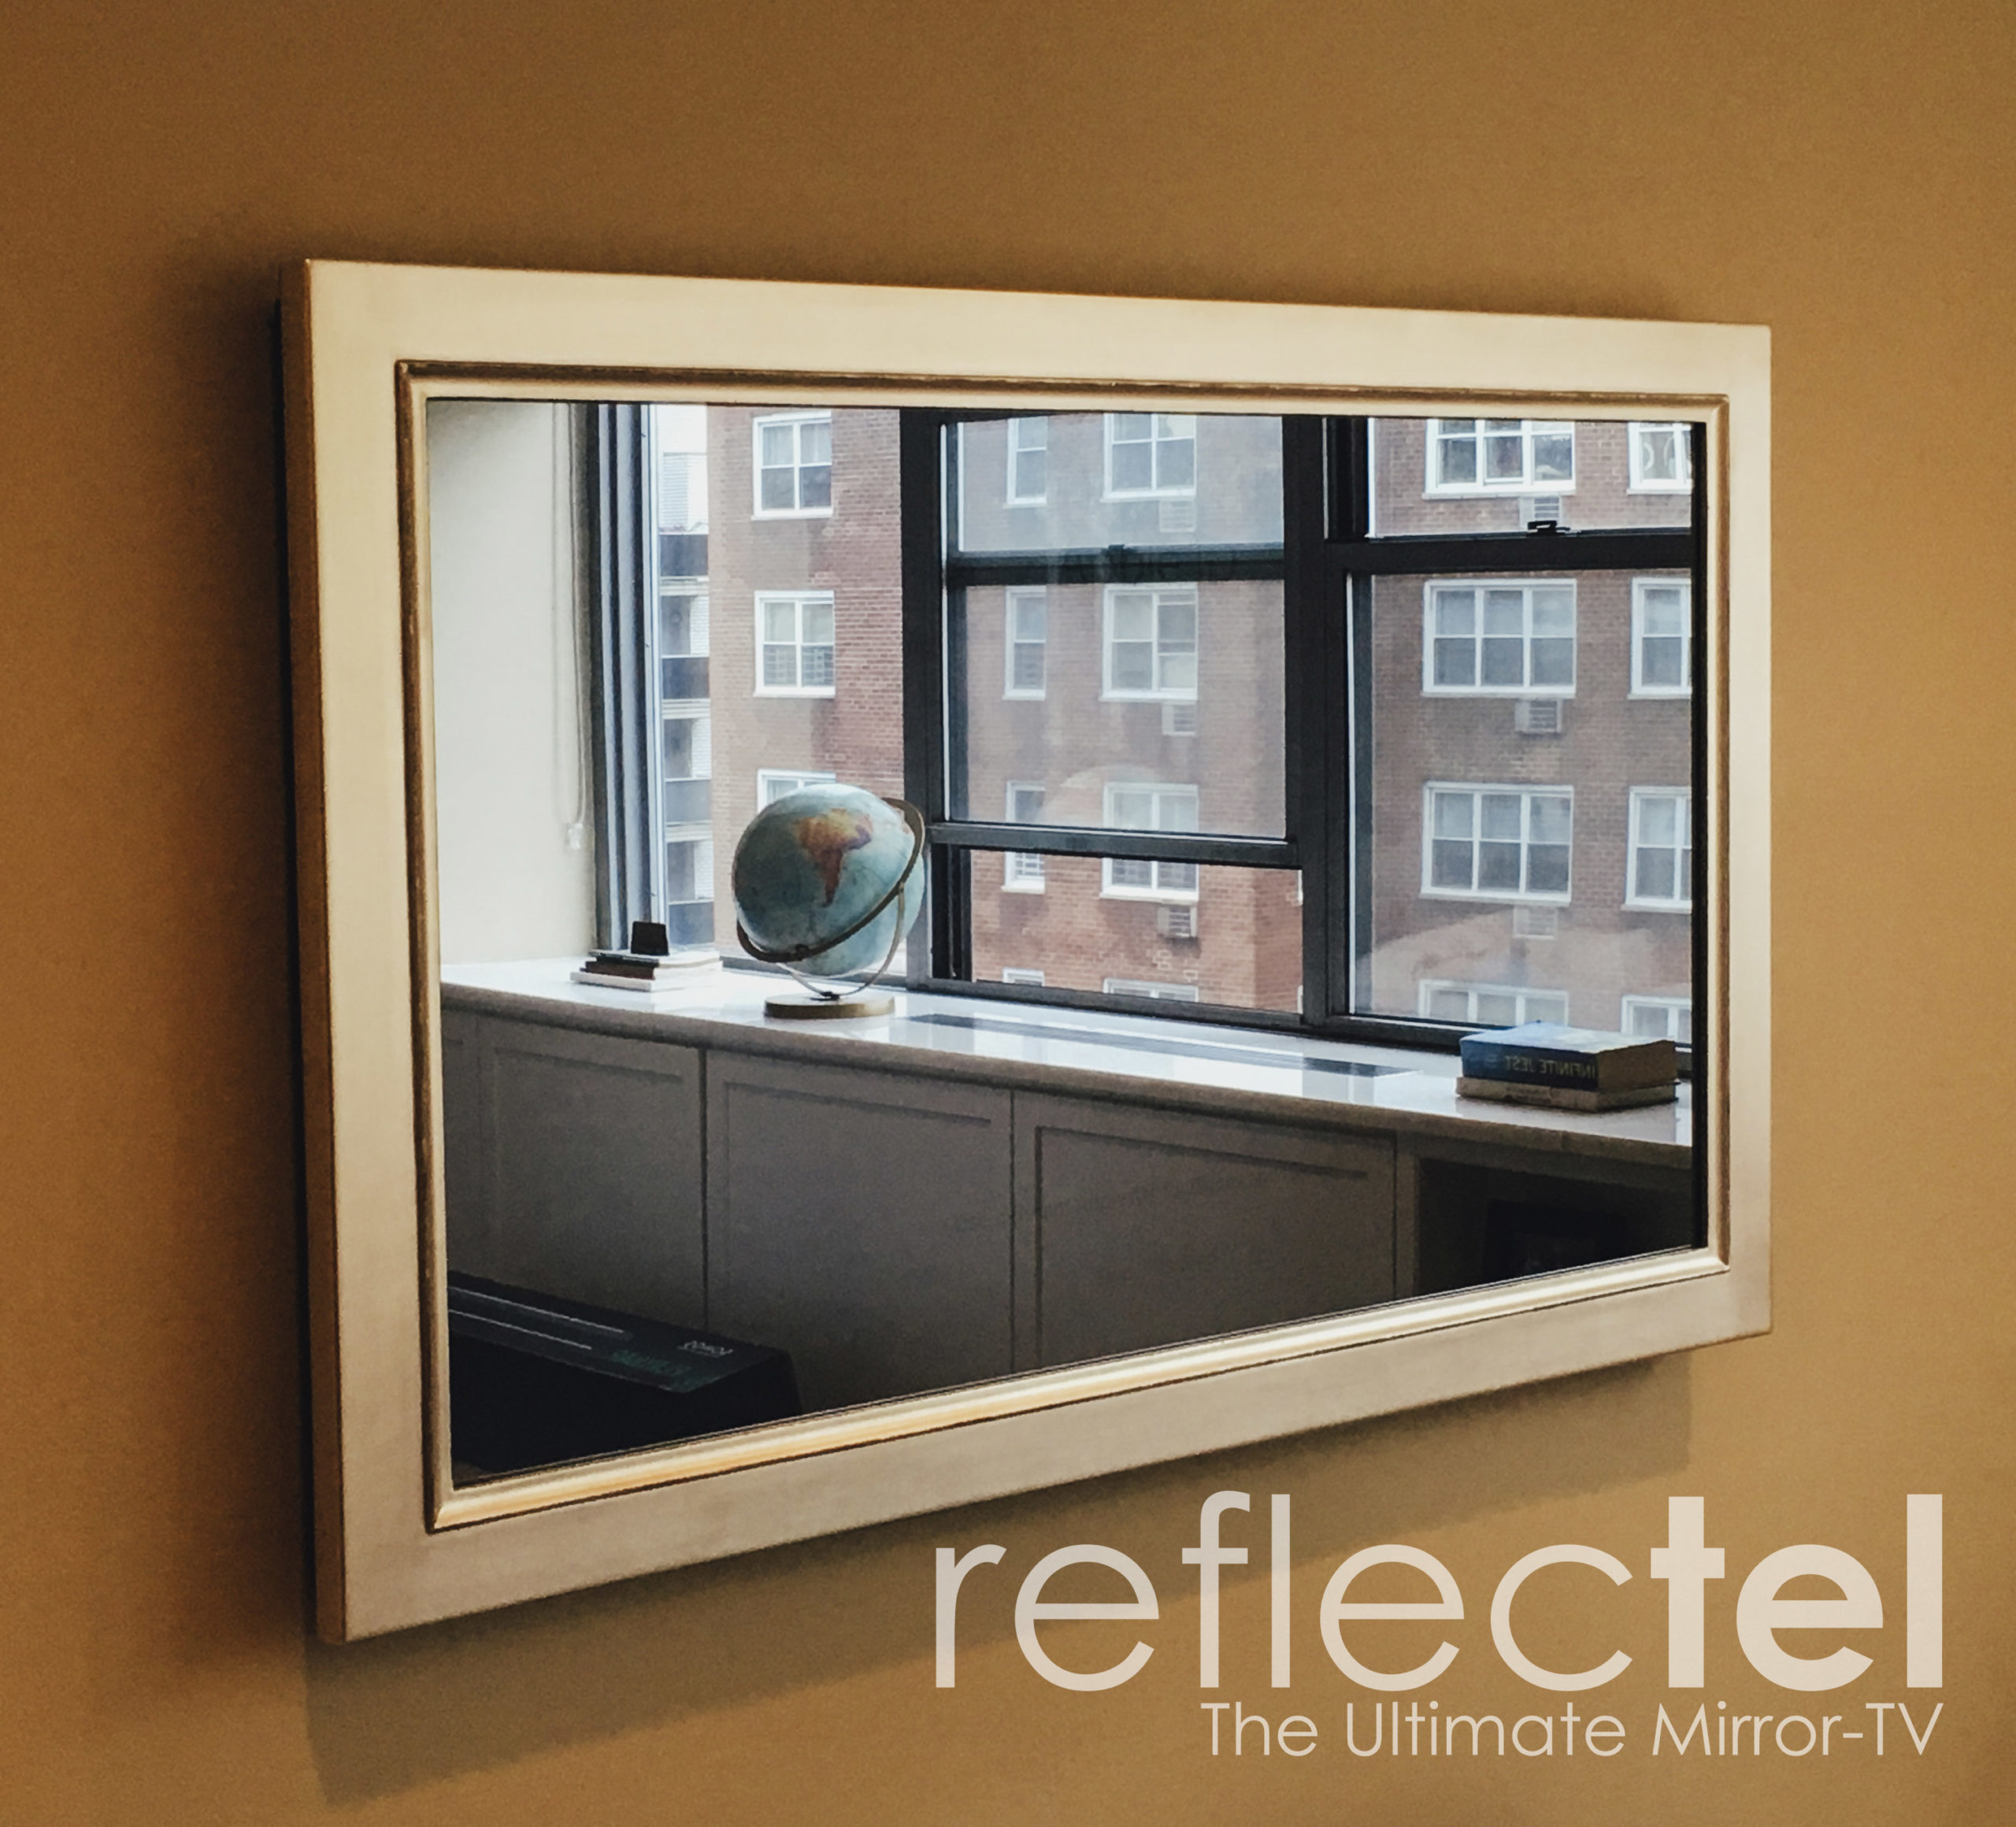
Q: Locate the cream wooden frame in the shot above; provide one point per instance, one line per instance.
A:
(366, 345)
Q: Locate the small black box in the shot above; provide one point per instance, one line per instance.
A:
(536, 1381)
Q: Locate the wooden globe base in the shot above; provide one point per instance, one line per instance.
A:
(802, 1006)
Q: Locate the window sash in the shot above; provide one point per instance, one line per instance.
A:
(1500, 843)
(1151, 455)
(791, 465)
(1661, 849)
(1500, 456)
(1662, 457)
(796, 648)
(1028, 462)
(1504, 637)
(1662, 638)
(1025, 629)
(1151, 641)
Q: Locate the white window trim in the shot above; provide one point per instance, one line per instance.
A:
(1639, 687)
(1152, 694)
(1019, 974)
(1637, 483)
(1526, 484)
(1430, 987)
(1526, 791)
(1177, 491)
(1016, 594)
(1653, 904)
(766, 777)
(757, 510)
(1673, 1005)
(1012, 860)
(800, 598)
(1154, 891)
(1431, 689)
(1153, 990)
(1011, 498)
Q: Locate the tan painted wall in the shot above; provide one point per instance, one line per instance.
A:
(1841, 171)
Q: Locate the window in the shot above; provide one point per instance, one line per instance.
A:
(1659, 1018)
(1141, 807)
(1022, 870)
(1027, 622)
(1151, 454)
(1150, 641)
(773, 784)
(1662, 637)
(1153, 992)
(1029, 461)
(1029, 978)
(1661, 849)
(689, 886)
(1500, 456)
(1497, 843)
(793, 464)
(1491, 1004)
(794, 643)
(688, 756)
(1661, 457)
(1500, 636)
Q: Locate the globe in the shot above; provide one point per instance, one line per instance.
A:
(828, 879)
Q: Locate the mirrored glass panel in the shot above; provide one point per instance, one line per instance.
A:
(1106, 1111)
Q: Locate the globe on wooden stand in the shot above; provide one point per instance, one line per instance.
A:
(827, 882)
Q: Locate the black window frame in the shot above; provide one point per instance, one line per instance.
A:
(1328, 558)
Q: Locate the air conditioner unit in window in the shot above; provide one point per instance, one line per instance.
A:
(1536, 922)
(1541, 511)
(1537, 716)
(1176, 922)
(1180, 717)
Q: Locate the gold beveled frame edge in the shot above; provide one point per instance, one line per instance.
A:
(1031, 1392)
(376, 1570)
(450, 1506)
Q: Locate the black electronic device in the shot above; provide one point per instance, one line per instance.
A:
(534, 1380)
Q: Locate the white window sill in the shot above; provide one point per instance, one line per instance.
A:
(1183, 1063)
(792, 513)
(794, 691)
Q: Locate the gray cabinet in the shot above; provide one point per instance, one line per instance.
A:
(574, 1165)
(1138, 1227)
(860, 1219)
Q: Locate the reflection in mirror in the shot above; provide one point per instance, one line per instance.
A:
(667, 1218)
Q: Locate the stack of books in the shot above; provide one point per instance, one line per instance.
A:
(651, 965)
(1567, 1068)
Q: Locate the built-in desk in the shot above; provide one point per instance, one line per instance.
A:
(965, 1188)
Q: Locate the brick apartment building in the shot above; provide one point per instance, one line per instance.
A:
(1530, 735)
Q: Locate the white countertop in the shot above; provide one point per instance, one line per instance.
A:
(1192, 1064)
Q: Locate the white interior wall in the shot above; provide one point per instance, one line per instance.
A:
(511, 781)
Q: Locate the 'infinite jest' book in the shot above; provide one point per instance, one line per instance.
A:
(1583, 1063)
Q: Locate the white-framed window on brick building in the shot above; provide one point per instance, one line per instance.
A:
(793, 464)
(1661, 849)
(1028, 462)
(1500, 456)
(1150, 455)
(1497, 843)
(1021, 871)
(1151, 636)
(1657, 1018)
(794, 643)
(1145, 806)
(1155, 992)
(1662, 637)
(1661, 457)
(1490, 1004)
(1508, 636)
(773, 784)
(1026, 624)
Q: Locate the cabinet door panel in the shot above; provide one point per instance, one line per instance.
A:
(593, 1170)
(1147, 1227)
(861, 1221)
